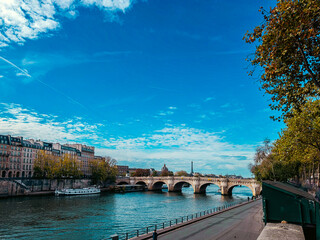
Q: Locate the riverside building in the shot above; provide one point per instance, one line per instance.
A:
(17, 155)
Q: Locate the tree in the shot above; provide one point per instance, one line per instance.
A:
(112, 170)
(288, 50)
(103, 170)
(267, 166)
(50, 166)
(296, 154)
(69, 166)
(141, 173)
(154, 174)
(165, 173)
(263, 162)
(299, 142)
(45, 165)
(181, 173)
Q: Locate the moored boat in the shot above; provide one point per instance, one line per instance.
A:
(80, 191)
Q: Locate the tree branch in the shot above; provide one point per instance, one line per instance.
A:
(313, 76)
(308, 143)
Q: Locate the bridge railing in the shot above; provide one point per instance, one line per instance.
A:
(167, 224)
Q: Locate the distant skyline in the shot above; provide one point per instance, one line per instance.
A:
(146, 82)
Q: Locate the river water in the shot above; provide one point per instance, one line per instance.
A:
(99, 216)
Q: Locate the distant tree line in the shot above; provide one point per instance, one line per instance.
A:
(67, 166)
(146, 173)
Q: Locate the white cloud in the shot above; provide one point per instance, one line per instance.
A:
(28, 19)
(208, 99)
(177, 146)
(226, 105)
(16, 120)
(172, 108)
(165, 113)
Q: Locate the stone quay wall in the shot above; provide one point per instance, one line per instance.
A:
(21, 187)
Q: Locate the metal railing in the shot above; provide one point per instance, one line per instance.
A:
(166, 224)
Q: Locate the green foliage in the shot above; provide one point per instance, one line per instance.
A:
(181, 173)
(103, 170)
(296, 154)
(69, 167)
(166, 173)
(299, 142)
(288, 50)
(45, 165)
(141, 173)
(49, 166)
(267, 165)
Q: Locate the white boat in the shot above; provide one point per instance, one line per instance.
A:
(80, 191)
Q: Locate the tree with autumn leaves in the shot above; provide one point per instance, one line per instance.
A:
(50, 166)
(288, 52)
(47, 165)
(103, 170)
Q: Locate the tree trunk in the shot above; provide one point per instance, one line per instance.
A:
(313, 180)
(309, 175)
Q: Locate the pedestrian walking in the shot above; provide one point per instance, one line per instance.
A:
(248, 199)
(155, 235)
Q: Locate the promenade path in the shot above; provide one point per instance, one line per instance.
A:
(242, 223)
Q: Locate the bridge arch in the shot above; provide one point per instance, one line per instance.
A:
(203, 187)
(240, 185)
(157, 186)
(177, 187)
(141, 183)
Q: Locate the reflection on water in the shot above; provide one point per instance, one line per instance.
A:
(99, 216)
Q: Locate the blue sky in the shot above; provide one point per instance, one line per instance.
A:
(146, 82)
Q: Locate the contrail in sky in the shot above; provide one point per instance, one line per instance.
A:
(12, 64)
(43, 83)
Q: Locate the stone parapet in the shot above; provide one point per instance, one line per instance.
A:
(280, 231)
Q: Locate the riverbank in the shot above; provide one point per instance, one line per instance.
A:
(17, 187)
(35, 187)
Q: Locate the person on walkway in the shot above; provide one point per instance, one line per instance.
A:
(248, 199)
(155, 235)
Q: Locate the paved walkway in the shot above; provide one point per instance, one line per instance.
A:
(244, 223)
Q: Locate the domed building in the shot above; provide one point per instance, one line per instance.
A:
(164, 168)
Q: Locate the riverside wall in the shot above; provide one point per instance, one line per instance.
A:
(22, 187)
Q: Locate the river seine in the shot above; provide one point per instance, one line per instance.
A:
(99, 216)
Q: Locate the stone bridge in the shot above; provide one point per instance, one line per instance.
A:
(199, 184)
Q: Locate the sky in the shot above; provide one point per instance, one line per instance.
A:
(147, 82)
